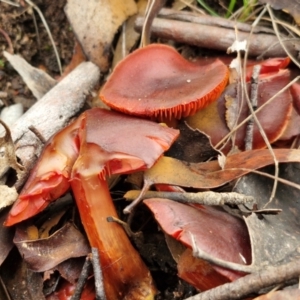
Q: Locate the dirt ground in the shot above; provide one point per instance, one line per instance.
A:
(19, 35)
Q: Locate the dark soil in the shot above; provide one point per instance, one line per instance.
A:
(19, 35)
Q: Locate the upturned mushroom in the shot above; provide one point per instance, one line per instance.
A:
(100, 143)
(157, 82)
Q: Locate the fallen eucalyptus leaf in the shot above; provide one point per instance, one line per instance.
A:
(292, 7)
(38, 81)
(45, 254)
(95, 24)
(206, 175)
(274, 238)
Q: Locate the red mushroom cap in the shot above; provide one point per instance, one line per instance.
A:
(156, 81)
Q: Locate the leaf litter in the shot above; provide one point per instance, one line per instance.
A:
(191, 170)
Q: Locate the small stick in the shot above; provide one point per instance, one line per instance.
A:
(192, 17)
(125, 226)
(36, 30)
(283, 45)
(11, 3)
(129, 208)
(205, 198)
(4, 288)
(253, 100)
(153, 7)
(37, 134)
(252, 283)
(82, 278)
(99, 285)
(10, 45)
(215, 37)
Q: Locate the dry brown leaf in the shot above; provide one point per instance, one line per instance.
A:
(211, 121)
(38, 81)
(77, 58)
(209, 174)
(45, 254)
(70, 269)
(95, 24)
(179, 5)
(128, 37)
(274, 237)
(291, 7)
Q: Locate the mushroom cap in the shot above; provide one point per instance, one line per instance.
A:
(115, 143)
(156, 81)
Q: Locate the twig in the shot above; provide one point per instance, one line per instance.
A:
(10, 45)
(38, 134)
(191, 17)
(125, 226)
(82, 278)
(240, 85)
(214, 37)
(48, 31)
(11, 3)
(100, 293)
(36, 30)
(254, 116)
(286, 49)
(4, 288)
(129, 208)
(252, 283)
(198, 253)
(153, 7)
(253, 99)
(38, 81)
(193, 7)
(262, 132)
(281, 180)
(205, 198)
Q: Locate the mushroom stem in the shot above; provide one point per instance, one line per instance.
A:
(125, 275)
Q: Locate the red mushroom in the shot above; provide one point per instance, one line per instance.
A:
(98, 144)
(212, 120)
(156, 81)
(218, 233)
